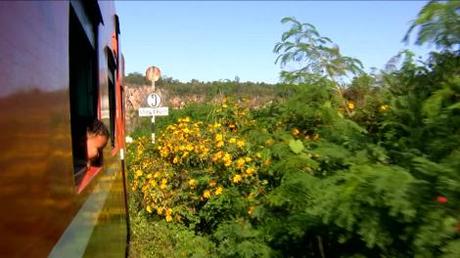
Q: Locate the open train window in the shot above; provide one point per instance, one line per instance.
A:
(112, 101)
(83, 89)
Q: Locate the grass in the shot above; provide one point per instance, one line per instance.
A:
(151, 237)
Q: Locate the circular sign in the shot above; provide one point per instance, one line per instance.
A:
(153, 73)
(154, 100)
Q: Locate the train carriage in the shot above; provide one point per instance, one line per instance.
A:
(60, 68)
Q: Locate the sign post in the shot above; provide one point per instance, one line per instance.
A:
(153, 100)
(153, 73)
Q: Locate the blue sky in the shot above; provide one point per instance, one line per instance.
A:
(213, 40)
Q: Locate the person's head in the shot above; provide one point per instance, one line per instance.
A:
(97, 136)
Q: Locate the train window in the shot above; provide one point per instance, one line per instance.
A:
(112, 100)
(83, 90)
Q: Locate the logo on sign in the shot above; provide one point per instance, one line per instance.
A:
(154, 100)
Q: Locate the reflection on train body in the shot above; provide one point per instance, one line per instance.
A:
(44, 211)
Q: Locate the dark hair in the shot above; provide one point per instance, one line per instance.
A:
(97, 128)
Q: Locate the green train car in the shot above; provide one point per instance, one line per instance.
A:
(60, 68)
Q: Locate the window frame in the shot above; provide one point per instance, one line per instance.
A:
(112, 95)
(84, 19)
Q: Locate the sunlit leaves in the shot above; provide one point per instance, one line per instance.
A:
(439, 24)
(314, 56)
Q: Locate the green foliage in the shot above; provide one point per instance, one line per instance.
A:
(135, 79)
(211, 90)
(439, 23)
(370, 170)
(319, 57)
(296, 146)
(196, 111)
(151, 238)
(238, 238)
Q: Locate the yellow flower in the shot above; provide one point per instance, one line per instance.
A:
(207, 194)
(267, 162)
(168, 218)
(184, 119)
(240, 163)
(219, 190)
(168, 212)
(227, 159)
(250, 171)
(384, 108)
(218, 137)
(251, 210)
(295, 132)
(224, 105)
(227, 156)
(217, 156)
(159, 210)
(351, 105)
(163, 183)
(247, 159)
(138, 173)
(192, 183)
(232, 140)
(220, 144)
(240, 143)
(185, 154)
(236, 179)
(149, 209)
(176, 160)
(164, 152)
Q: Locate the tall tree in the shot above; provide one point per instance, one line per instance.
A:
(317, 56)
(439, 24)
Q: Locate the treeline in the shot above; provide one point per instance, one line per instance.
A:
(209, 90)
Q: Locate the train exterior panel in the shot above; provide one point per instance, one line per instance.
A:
(61, 66)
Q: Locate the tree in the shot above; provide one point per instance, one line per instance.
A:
(318, 56)
(136, 79)
(439, 24)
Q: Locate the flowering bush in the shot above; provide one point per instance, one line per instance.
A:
(193, 162)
